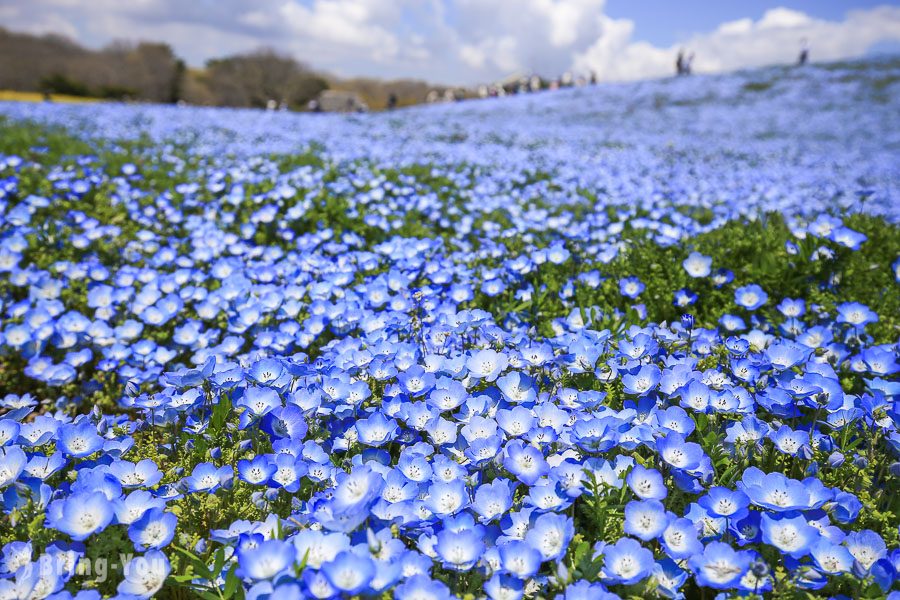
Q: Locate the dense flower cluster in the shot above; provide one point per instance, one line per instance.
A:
(383, 357)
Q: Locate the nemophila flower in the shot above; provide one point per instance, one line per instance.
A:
(792, 535)
(723, 502)
(680, 538)
(357, 488)
(668, 577)
(504, 587)
(697, 265)
(266, 560)
(647, 484)
(631, 287)
(520, 559)
(626, 562)
(678, 453)
(257, 470)
(525, 462)
(550, 535)
(645, 380)
(79, 439)
(15, 555)
(775, 491)
(831, 558)
(349, 573)
(145, 575)
(493, 500)
(645, 519)
(80, 515)
(459, 550)
(855, 314)
(517, 387)
(447, 498)
(132, 507)
(206, 477)
(866, 547)
(288, 471)
(376, 430)
(487, 364)
(750, 297)
(258, 401)
(154, 530)
(719, 566)
(421, 586)
(684, 297)
(12, 463)
(144, 473)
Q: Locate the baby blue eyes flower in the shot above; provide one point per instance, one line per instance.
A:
(349, 573)
(697, 265)
(626, 562)
(631, 287)
(376, 430)
(81, 515)
(525, 462)
(266, 560)
(719, 566)
(493, 500)
(79, 440)
(680, 538)
(647, 484)
(750, 297)
(487, 364)
(206, 477)
(723, 502)
(645, 519)
(145, 575)
(678, 453)
(643, 381)
(550, 535)
(459, 550)
(792, 535)
(12, 463)
(154, 530)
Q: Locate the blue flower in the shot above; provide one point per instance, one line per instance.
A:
(697, 265)
(81, 515)
(145, 575)
(459, 550)
(790, 534)
(645, 519)
(154, 530)
(719, 566)
(631, 287)
(206, 477)
(550, 535)
(647, 484)
(750, 297)
(626, 562)
(349, 573)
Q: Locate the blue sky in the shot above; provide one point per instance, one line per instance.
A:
(467, 42)
(669, 22)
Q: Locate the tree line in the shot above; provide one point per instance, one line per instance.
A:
(151, 72)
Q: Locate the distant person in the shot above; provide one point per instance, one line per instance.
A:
(314, 106)
(804, 54)
(392, 102)
(679, 63)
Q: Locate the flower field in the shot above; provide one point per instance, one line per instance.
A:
(622, 341)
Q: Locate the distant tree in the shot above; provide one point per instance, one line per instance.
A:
(255, 78)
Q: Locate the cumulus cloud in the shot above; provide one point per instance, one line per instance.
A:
(774, 38)
(452, 41)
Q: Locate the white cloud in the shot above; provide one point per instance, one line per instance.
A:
(453, 41)
(774, 38)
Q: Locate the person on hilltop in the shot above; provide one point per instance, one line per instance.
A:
(804, 53)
